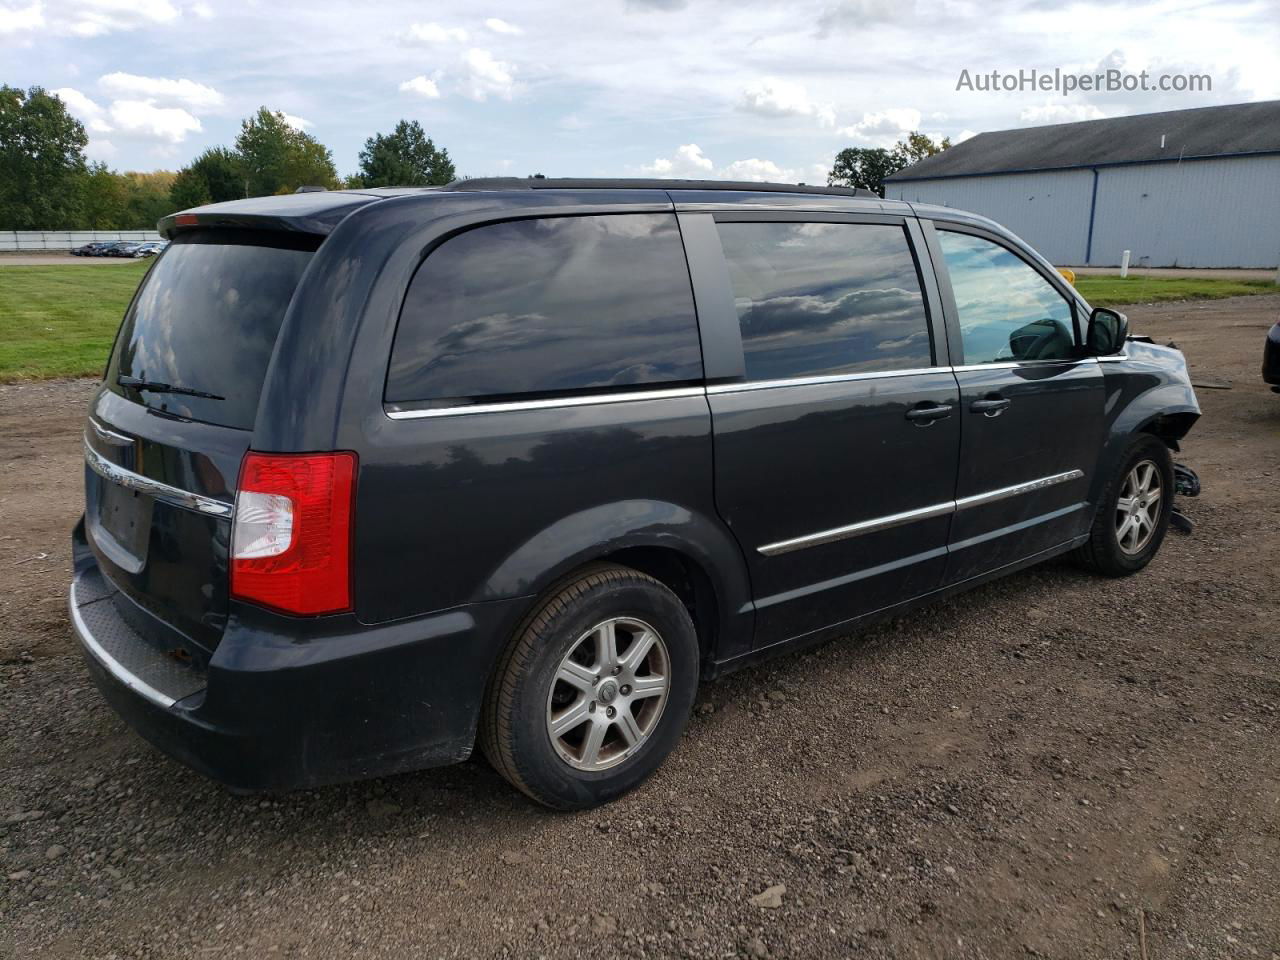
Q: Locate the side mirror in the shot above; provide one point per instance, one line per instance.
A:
(1108, 330)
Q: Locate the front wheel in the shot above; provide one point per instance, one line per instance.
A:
(594, 692)
(1133, 514)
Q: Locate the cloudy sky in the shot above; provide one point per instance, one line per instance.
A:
(708, 88)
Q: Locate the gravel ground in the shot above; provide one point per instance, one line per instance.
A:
(1051, 766)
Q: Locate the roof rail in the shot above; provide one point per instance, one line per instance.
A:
(593, 183)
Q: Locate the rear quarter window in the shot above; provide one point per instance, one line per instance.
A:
(547, 307)
(206, 318)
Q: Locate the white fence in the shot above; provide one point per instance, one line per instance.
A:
(66, 239)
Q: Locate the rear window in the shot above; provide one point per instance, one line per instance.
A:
(547, 307)
(820, 299)
(206, 319)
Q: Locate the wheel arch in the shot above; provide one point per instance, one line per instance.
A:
(691, 554)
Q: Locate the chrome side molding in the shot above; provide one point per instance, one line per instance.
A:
(161, 491)
(395, 412)
(553, 403)
(1017, 489)
(857, 529)
(911, 516)
(819, 381)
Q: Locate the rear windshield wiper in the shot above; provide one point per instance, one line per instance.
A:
(155, 386)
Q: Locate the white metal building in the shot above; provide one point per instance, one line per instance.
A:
(1187, 188)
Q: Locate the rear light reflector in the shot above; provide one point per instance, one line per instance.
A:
(186, 220)
(291, 537)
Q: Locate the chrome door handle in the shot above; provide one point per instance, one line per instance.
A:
(924, 416)
(990, 407)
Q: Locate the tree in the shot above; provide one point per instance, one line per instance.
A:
(148, 197)
(276, 158)
(214, 176)
(916, 147)
(104, 199)
(405, 158)
(869, 166)
(41, 161)
(864, 167)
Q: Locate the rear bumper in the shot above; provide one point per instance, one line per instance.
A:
(297, 703)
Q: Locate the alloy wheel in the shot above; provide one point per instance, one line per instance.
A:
(1138, 508)
(608, 693)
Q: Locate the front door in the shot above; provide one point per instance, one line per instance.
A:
(835, 456)
(1030, 410)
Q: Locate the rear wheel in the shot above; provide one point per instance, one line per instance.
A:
(594, 692)
(1133, 515)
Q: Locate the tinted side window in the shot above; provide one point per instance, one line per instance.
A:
(817, 299)
(1008, 311)
(547, 306)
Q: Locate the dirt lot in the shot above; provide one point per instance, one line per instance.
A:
(1052, 766)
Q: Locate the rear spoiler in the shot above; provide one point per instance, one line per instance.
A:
(313, 213)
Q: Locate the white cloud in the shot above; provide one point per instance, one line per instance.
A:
(773, 97)
(434, 33)
(93, 18)
(485, 76)
(188, 93)
(100, 150)
(298, 123)
(145, 119)
(1059, 113)
(757, 170)
(16, 19)
(883, 128)
(422, 86)
(84, 109)
(141, 119)
(502, 26)
(688, 163)
(202, 10)
(858, 15)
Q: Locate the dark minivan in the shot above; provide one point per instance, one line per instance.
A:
(376, 475)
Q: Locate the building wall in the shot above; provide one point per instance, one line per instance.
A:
(1048, 210)
(1202, 213)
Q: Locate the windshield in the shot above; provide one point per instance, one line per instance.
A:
(206, 320)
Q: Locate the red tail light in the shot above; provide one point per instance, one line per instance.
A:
(291, 538)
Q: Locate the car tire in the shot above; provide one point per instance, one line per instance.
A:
(562, 720)
(1130, 523)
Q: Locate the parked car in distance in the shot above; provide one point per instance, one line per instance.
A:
(1271, 358)
(377, 475)
(89, 249)
(138, 250)
(111, 248)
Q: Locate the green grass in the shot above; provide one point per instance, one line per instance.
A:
(60, 321)
(1107, 291)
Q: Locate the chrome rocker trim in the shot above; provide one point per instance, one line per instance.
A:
(921, 513)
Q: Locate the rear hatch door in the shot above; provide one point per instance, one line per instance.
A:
(171, 423)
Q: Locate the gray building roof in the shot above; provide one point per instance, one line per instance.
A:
(1231, 130)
